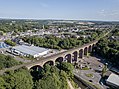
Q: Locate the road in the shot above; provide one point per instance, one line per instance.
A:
(94, 63)
(89, 85)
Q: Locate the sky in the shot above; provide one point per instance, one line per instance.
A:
(102, 10)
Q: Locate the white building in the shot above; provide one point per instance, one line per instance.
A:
(113, 80)
(25, 50)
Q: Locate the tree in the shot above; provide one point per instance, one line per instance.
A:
(49, 82)
(7, 61)
(20, 79)
(52, 79)
(94, 36)
(67, 67)
(108, 49)
(104, 70)
(9, 42)
(2, 83)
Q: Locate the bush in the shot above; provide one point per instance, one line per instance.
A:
(7, 61)
(9, 42)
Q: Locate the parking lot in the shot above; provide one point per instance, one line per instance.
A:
(91, 68)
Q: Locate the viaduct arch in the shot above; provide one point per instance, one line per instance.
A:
(79, 51)
(41, 62)
(70, 56)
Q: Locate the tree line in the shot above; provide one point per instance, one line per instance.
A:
(49, 77)
(108, 48)
(55, 42)
(10, 42)
(7, 61)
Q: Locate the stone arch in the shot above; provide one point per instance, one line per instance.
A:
(59, 59)
(85, 50)
(36, 68)
(81, 53)
(75, 56)
(51, 63)
(90, 49)
(93, 46)
(68, 58)
(35, 72)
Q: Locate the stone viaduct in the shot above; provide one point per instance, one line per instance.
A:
(70, 56)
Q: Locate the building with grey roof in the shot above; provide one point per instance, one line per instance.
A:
(25, 50)
(113, 80)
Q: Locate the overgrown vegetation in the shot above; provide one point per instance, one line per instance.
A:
(7, 61)
(9, 42)
(53, 77)
(19, 79)
(55, 42)
(89, 75)
(48, 77)
(108, 48)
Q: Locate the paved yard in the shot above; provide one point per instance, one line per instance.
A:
(95, 66)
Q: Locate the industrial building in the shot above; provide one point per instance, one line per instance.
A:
(33, 51)
(113, 80)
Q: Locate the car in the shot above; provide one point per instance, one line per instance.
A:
(101, 83)
(106, 63)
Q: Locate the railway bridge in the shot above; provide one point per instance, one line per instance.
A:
(71, 56)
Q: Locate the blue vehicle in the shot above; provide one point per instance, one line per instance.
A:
(3, 45)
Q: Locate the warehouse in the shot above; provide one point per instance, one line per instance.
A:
(29, 51)
(113, 80)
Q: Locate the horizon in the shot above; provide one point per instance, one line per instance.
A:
(93, 10)
(58, 19)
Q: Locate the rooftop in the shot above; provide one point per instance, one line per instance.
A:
(32, 50)
(114, 79)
